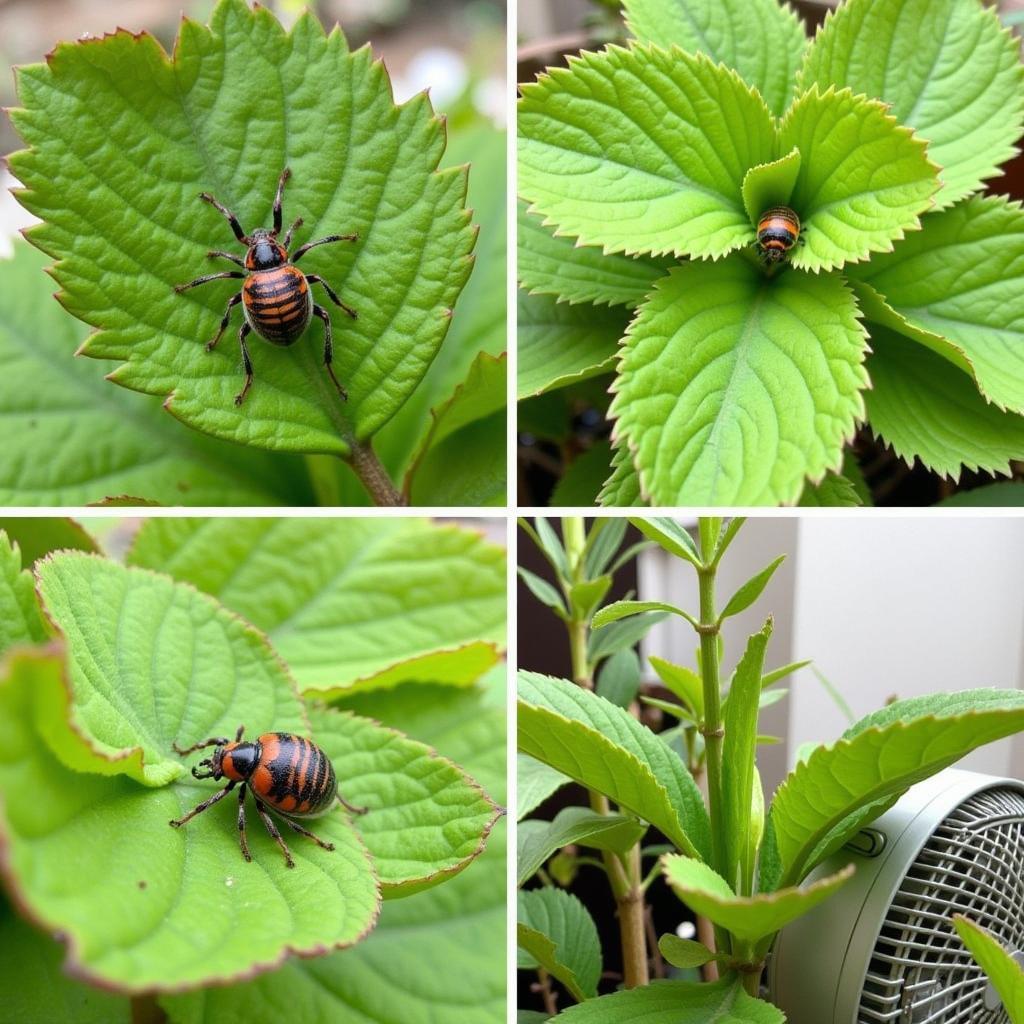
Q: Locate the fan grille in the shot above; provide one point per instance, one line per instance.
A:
(973, 864)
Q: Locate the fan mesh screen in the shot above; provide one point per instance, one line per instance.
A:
(973, 864)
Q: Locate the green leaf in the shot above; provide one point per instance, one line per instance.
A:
(619, 678)
(675, 710)
(478, 323)
(20, 619)
(643, 150)
(544, 592)
(586, 595)
(863, 181)
(676, 1002)
(559, 344)
(738, 755)
(535, 782)
(841, 787)
(538, 840)
(622, 488)
(762, 39)
(37, 992)
(547, 540)
(747, 918)
(37, 536)
(835, 490)
(558, 931)
(465, 469)
(771, 184)
(750, 591)
(962, 277)
(461, 458)
(946, 68)
(1003, 970)
(126, 230)
(621, 609)
(395, 975)
(141, 648)
(606, 749)
(875, 309)
(684, 953)
(683, 682)
(604, 539)
(620, 635)
(1006, 495)
(410, 792)
(925, 408)
(583, 479)
(776, 674)
(553, 264)
(669, 535)
(133, 918)
(101, 441)
(733, 389)
(355, 603)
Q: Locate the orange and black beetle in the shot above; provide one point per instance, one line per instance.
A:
(778, 230)
(288, 772)
(275, 298)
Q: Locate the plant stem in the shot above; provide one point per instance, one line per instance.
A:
(632, 913)
(547, 992)
(578, 649)
(752, 981)
(706, 934)
(712, 730)
(373, 476)
(624, 874)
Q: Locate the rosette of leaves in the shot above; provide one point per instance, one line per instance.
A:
(122, 139)
(645, 168)
(731, 860)
(107, 664)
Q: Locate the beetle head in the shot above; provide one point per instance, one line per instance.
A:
(213, 765)
(265, 251)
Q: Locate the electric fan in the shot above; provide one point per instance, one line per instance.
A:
(883, 948)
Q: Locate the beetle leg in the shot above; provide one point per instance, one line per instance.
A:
(303, 249)
(295, 227)
(317, 279)
(205, 805)
(305, 831)
(239, 733)
(225, 255)
(329, 349)
(272, 829)
(232, 302)
(242, 841)
(246, 362)
(232, 219)
(213, 741)
(351, 808)
(285, 175)
(208, 277)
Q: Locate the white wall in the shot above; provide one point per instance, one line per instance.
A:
(894, 606)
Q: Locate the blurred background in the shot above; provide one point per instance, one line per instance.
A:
(456, 47)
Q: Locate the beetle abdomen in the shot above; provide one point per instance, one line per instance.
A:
(777, 232)
(294, 776)
(277, 304)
